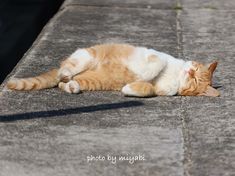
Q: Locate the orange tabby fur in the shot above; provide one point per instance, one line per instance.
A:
(200, 80)
(144, 89)
(107, 72)
(43, 81)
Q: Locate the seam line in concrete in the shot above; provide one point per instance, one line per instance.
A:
(179, 32)
(187, 162)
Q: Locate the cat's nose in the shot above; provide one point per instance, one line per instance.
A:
(191, 72)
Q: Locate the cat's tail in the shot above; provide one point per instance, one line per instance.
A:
(43, 81)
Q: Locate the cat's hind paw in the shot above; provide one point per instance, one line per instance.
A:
(139, 89)
(70, 87)
(128, 91)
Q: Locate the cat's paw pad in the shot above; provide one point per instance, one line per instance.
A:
(65, 75)
(70, 87)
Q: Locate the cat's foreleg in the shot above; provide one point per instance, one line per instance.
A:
(76, 63)
(139, 89)
(70, 86)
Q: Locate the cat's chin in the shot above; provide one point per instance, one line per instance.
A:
(184, 76)
(187, 67)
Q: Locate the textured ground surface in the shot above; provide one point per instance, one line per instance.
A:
(50, 132)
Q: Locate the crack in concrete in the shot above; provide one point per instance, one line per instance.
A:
(179, 31)
(187, 162)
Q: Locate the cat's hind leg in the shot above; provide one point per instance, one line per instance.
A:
(139, 89)
(93, 80)
(78, 62)
(88, 80)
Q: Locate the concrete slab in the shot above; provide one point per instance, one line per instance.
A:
(208, 4)
(69, 150)
(50, 132)
(210, 137)
(210, 122)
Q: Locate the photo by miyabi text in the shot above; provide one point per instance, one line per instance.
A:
(114, 159)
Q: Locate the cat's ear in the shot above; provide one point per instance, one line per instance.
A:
(212, 66)
(210, 91)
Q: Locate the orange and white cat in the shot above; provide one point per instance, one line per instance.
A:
(136, 71)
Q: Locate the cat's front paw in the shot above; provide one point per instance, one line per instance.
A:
(70, 87)
(65, 75)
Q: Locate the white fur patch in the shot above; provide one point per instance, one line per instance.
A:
(126, 90)
(185, 72)
(82, 59)
(171, 78)
(140, 65)
(81, 53)
(187, 66)
(72, 87)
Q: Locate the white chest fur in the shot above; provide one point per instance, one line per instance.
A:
(166, 71)
(170, 78)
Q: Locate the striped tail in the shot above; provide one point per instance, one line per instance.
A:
(43, 81)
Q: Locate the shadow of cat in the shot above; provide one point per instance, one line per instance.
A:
(62, 112)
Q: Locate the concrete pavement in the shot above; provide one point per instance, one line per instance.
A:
(50, 132)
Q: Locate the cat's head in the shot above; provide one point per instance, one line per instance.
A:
(198, 80)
